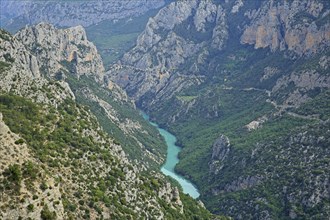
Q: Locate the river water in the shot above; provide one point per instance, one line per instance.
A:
(172, 159)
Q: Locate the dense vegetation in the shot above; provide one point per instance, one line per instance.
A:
(58, 140)
(146, 135)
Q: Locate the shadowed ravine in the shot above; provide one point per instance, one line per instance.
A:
(172, 159)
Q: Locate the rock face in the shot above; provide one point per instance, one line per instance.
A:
(58, 47)
(181, 36)
(73, 13)
(220, 151)
(173, 45)
(163, 48)
(288, 26)
(21, 73)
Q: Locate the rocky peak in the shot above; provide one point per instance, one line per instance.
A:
(20, 73)
(57, 47)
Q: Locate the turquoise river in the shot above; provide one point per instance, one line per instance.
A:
(172, 159)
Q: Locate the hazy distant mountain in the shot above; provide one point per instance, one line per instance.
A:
(67, 13)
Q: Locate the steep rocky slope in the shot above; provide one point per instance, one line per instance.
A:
(173, 47)
(53, 46)
(289, 26)
(58, 162)
(67, 56)
(245, 87)
(112, 25)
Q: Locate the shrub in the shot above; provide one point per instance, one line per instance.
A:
(19, 141)
(14, 173)
(46, 214)
(43, 186)
(30, 208)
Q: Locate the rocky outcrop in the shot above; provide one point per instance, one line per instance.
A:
(288, 26)
(220, 150)
(170, 194)
(57, 47)
(206, 13)
(220, 32)
(241, 183)
(73, 13)
(303, 82)
(22, 74)
(255, 124)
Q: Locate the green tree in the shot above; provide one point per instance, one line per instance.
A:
(46, 214)
(14, 173)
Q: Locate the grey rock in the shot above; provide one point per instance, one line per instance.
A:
(221, 148)
(160, 50)
(220, 32)
(53, 46)
(206, 12)
(279, 27)
(220, 151)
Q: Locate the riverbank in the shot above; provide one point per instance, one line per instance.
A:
(172, 159)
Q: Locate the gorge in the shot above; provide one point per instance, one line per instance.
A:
(243, 87)
(168, 168)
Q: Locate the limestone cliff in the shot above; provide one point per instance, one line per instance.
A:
(164, 48)
(298, 26)
(54, 47)
(185, 34)
(220, 151)
(20, 73)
